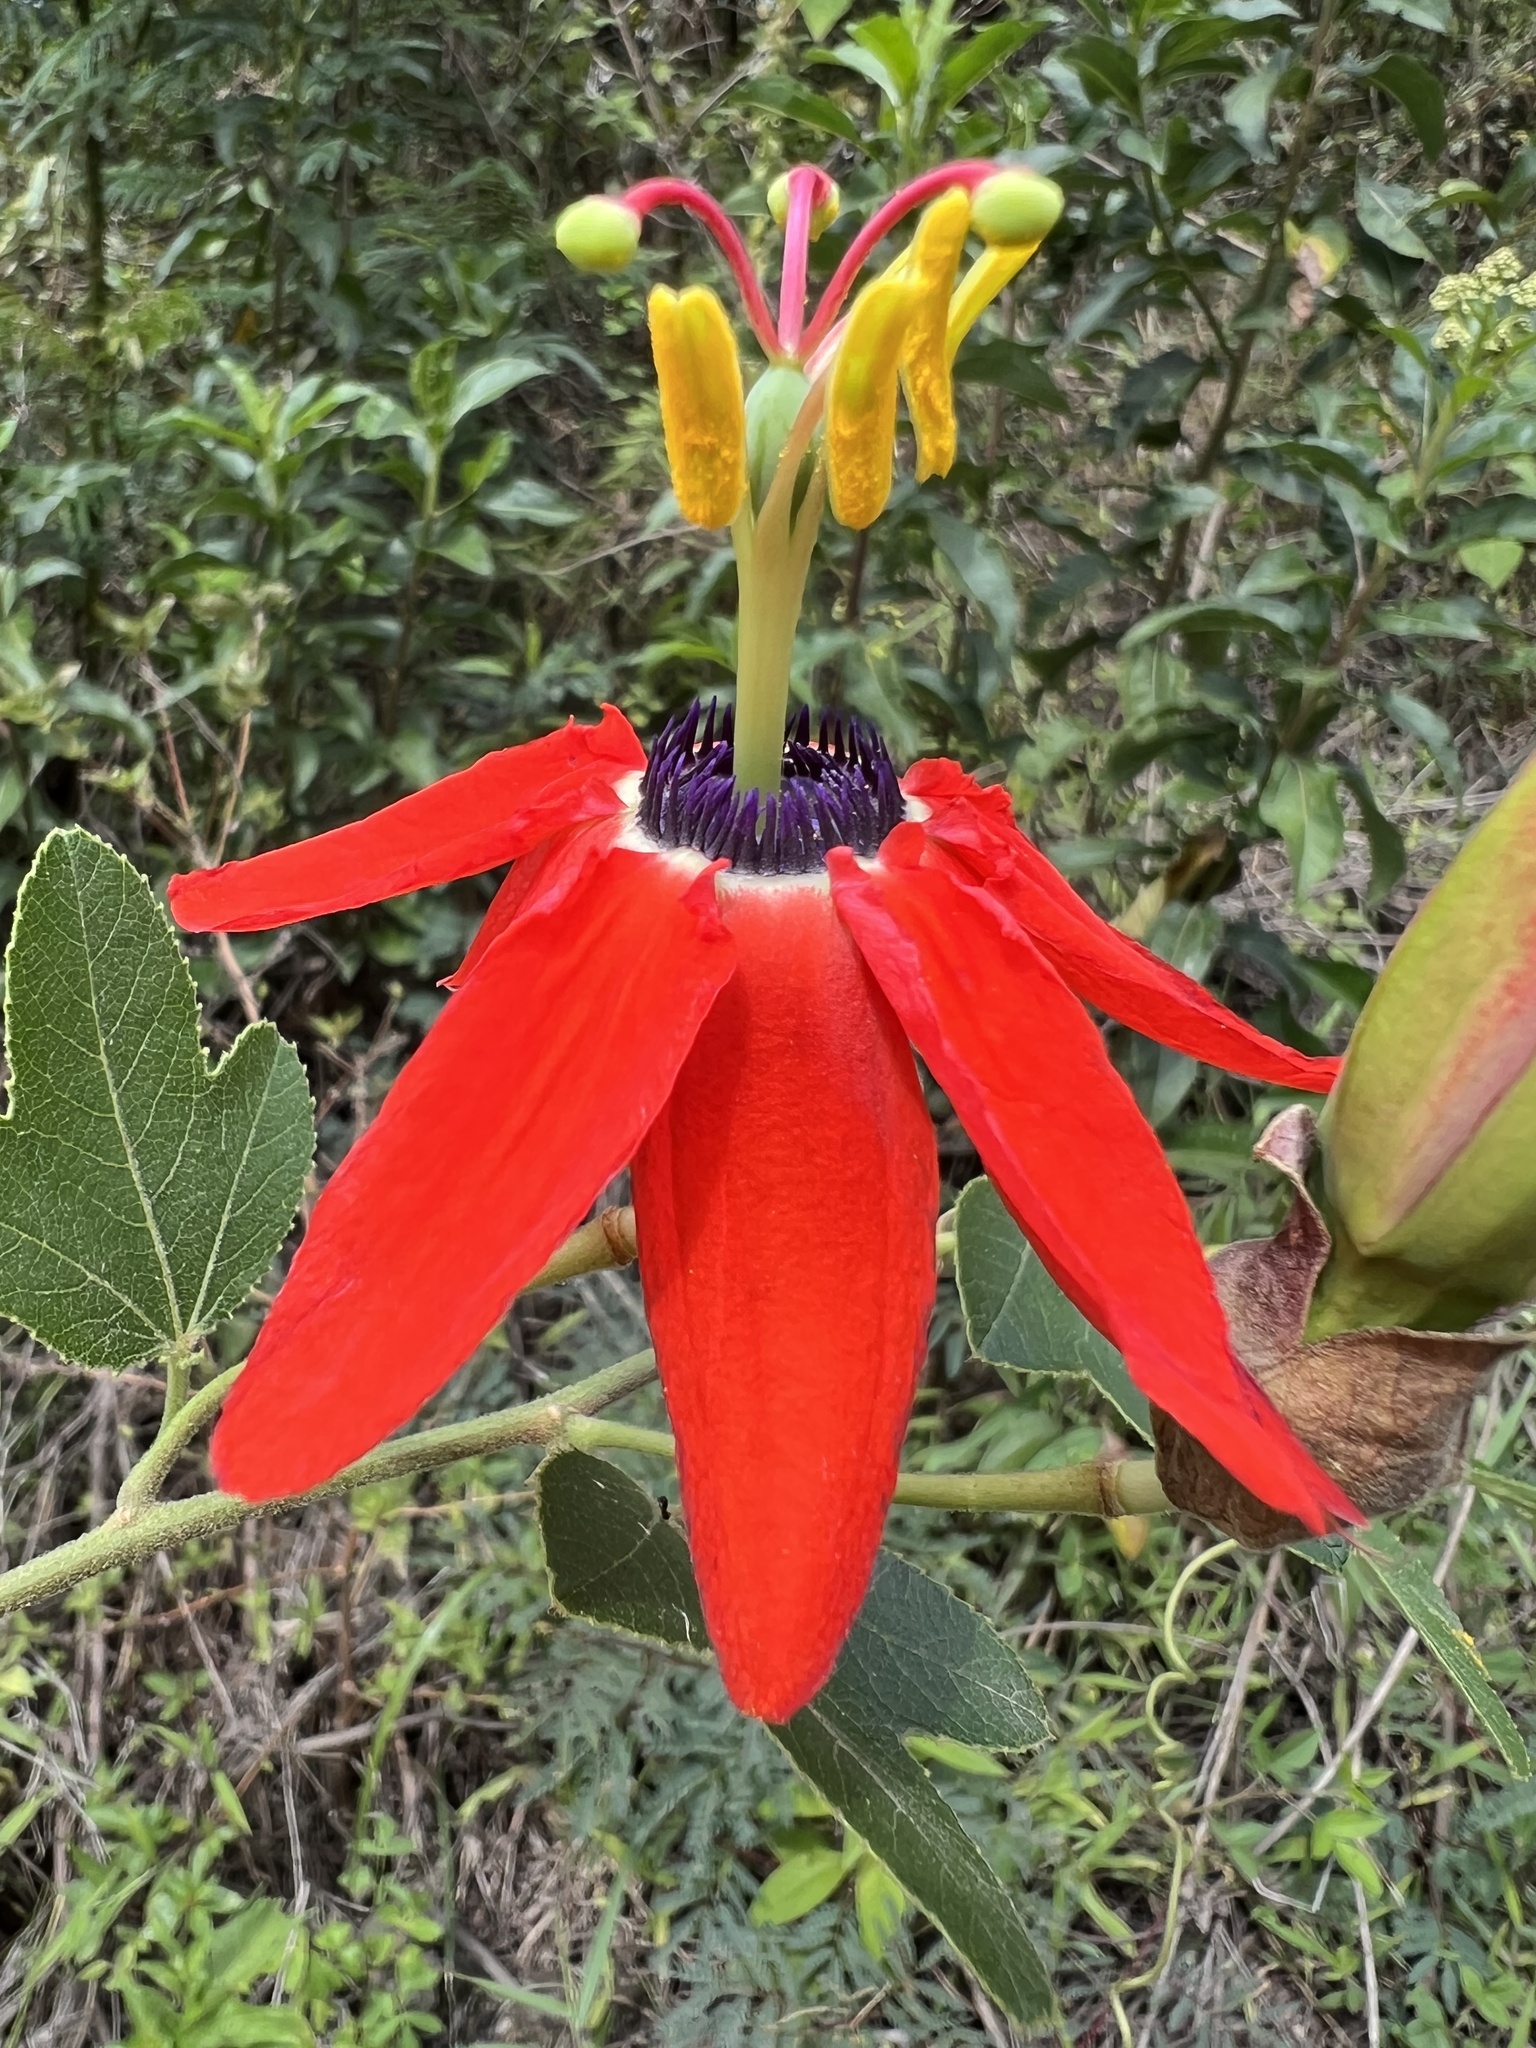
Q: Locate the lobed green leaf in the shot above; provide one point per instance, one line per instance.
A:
(142, 1192)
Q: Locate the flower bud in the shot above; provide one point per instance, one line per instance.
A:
(1430, 1134)
(823, 213)
(1014, 207)
(598, 234)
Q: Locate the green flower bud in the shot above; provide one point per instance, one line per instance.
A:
(598, 234)
(1015, 207)
(772, 404)
(823, 213)
(1430, 1134)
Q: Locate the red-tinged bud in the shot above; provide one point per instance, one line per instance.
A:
(598, 234)
(825, 210)
(1430, 1135)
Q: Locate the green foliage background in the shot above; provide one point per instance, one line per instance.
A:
(319, 476)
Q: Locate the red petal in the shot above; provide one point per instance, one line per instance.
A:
(530, 1092)
(462, 825)
(786, 1202)
(1060, 1134)
(542, 877)
(1103, 965)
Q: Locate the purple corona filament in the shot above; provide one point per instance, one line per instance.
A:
(838, 789)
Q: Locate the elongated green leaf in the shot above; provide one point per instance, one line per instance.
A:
(487, 382)
(1515, 1493)
(1107, 70)
(865, 63)
(1404, 1580)
(880, 1902)
(1421, 723)
(1432, 14)
(1384, 212)
(1010, 366)
(1017, 1318)
(1434, 618)
(1418, 92)
(1389, 856)
(799, 1885)
(984, 575)
(887, 38)
(1301, 801)
(1250, 11)
(141, 1193)
(794, 102)
(982, 54)
(1216, 614)
(1246, 111)
(884, 1795)
(918, 1661)
(466, 546)
(1508, 518)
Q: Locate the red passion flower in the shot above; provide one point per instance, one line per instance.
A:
(721, 990)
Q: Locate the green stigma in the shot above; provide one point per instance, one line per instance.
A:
(598, 234)
(1016, 207)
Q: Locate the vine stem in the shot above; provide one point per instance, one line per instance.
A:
(142, 1525)
(1107, 1487)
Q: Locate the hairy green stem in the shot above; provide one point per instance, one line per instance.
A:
(178, 1378)
(140, 1525)
(130, 1535)
(181, 1423)
(1107, 1487)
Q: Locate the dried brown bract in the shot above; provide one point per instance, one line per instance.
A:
(1385, 1412)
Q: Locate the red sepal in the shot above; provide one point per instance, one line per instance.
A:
(1105, 967)
(529, 1093)
(785, 1203)
(1067, 1149)
(496, 811)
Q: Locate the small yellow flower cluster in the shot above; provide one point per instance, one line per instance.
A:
(1499, 271)
(1469, 305)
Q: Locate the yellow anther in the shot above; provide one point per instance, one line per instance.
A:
(931, 266)
(703, 415)
(861, 399)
